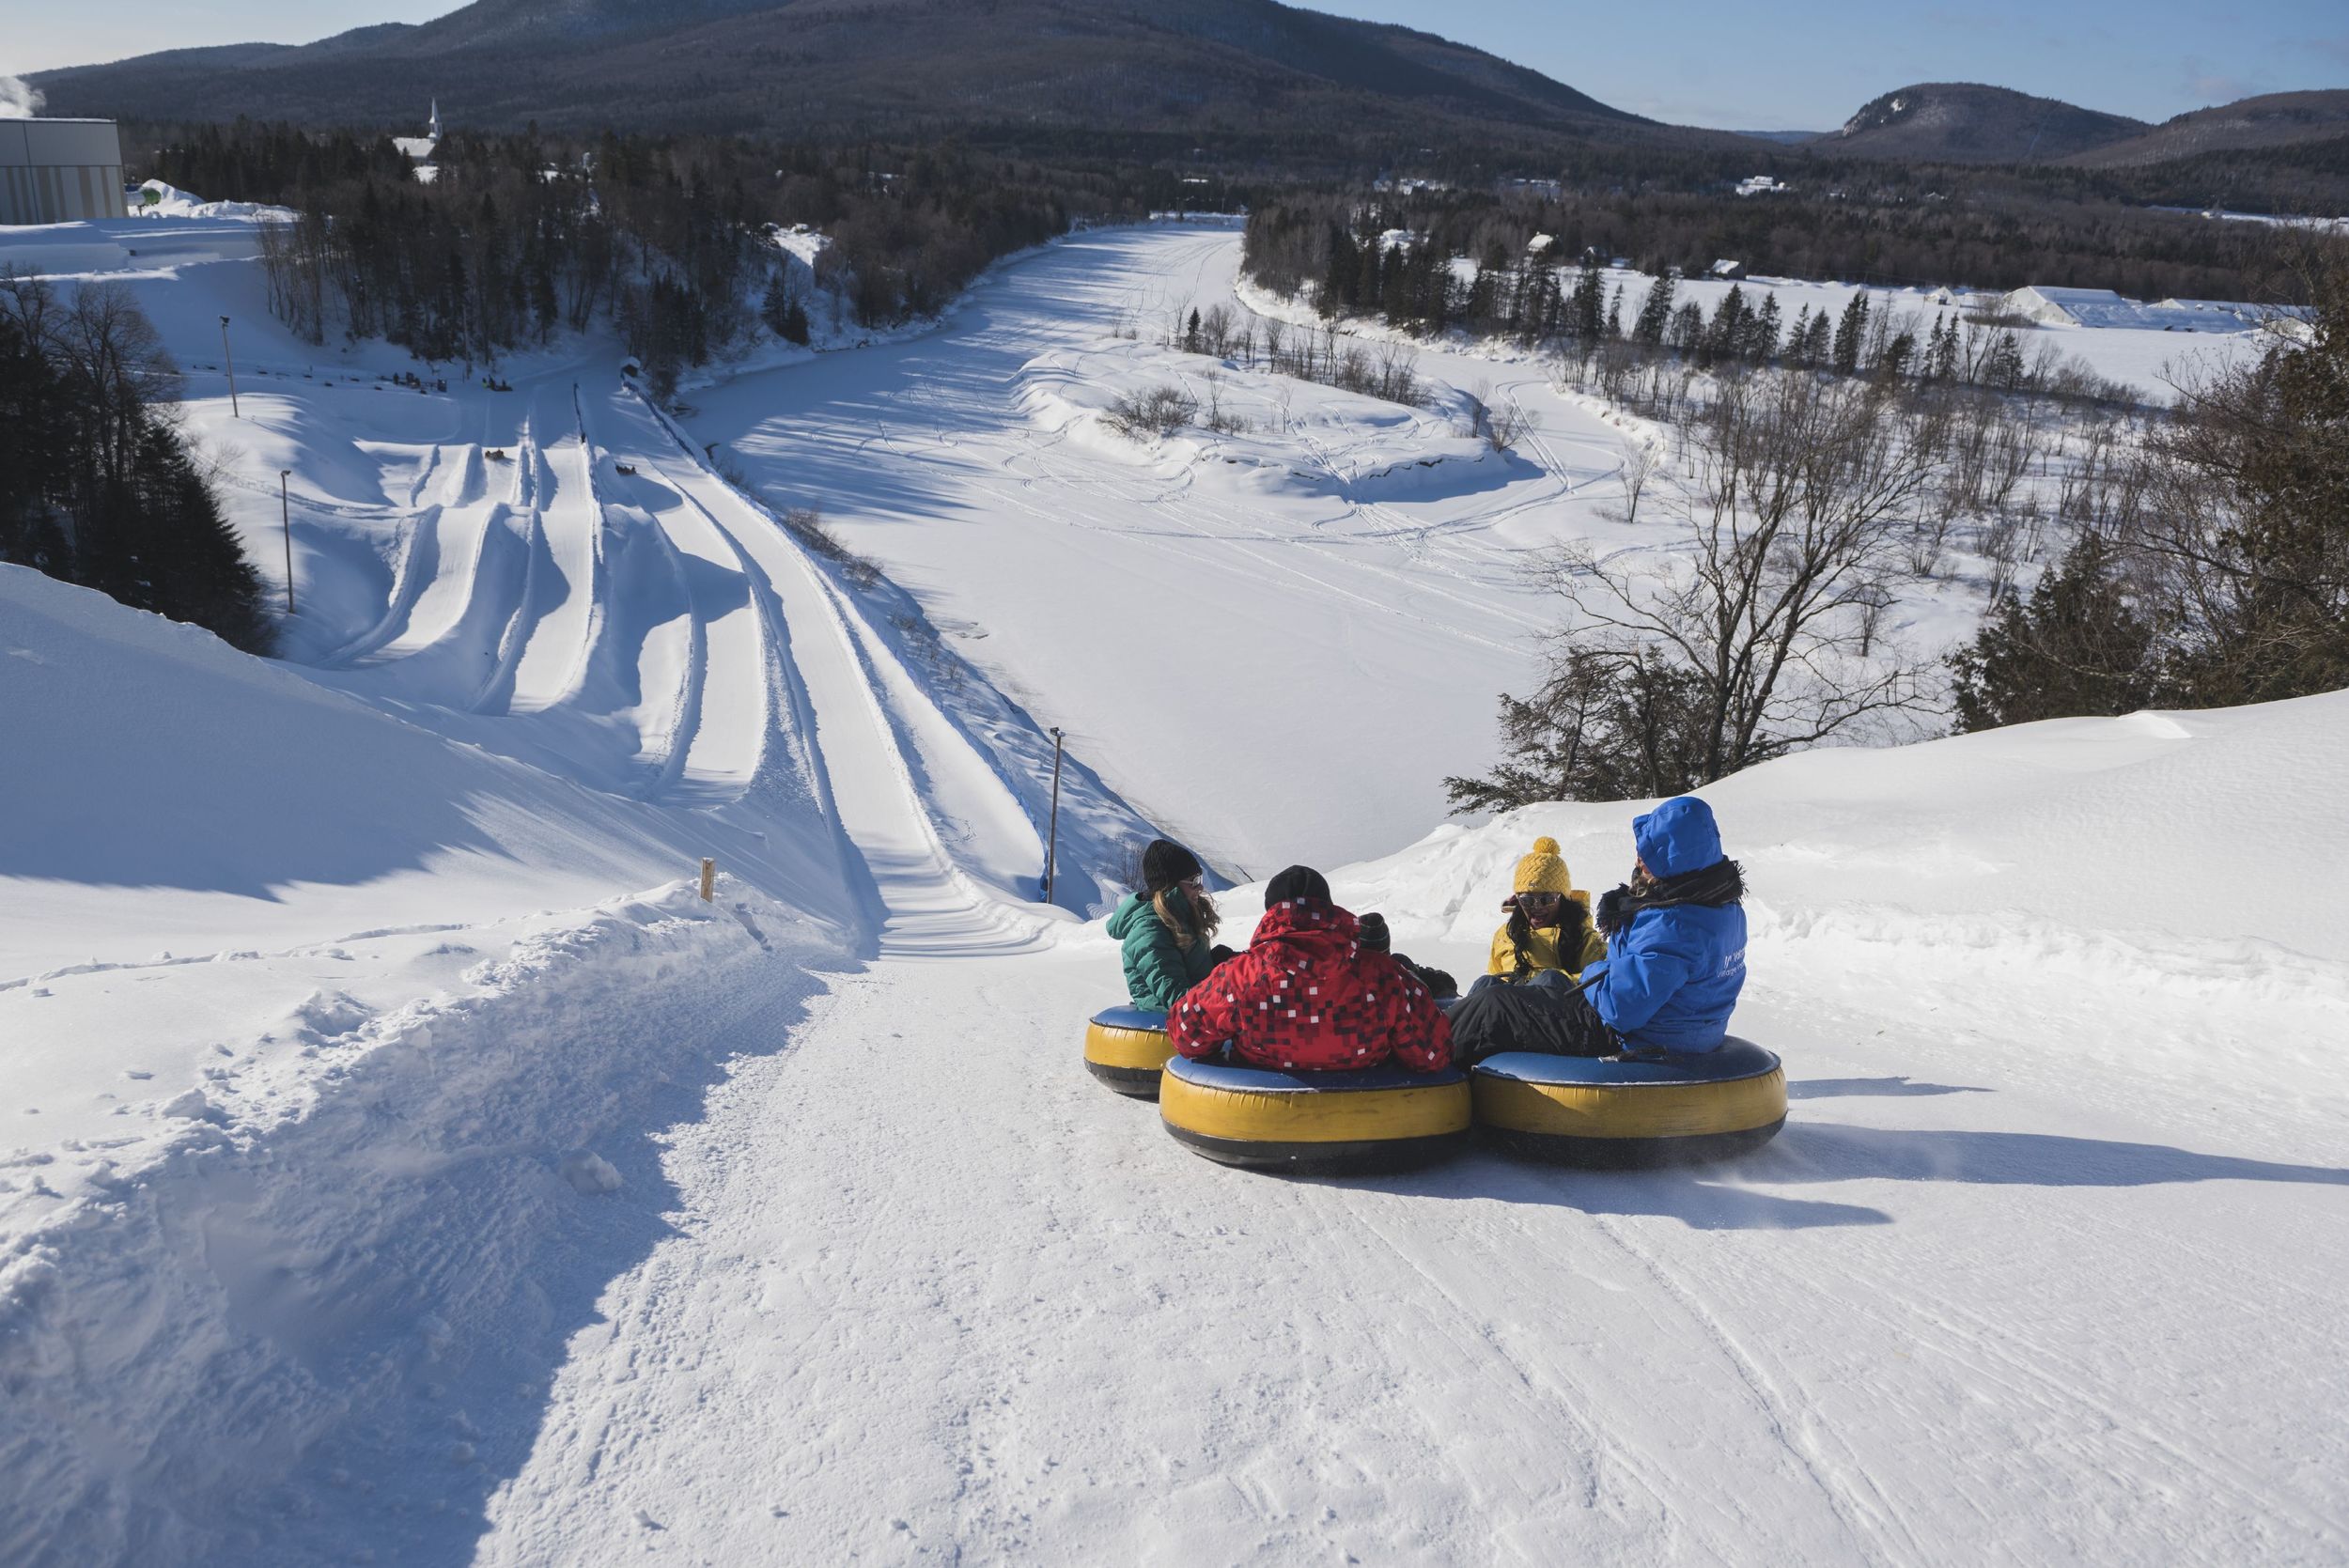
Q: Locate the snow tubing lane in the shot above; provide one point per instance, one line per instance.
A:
(1375, 1119)
(1665, 1110)
(1124, 1048)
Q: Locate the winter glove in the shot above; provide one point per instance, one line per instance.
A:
(1610, 917)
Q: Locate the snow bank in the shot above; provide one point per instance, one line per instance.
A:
(2175, 828)
(2158, 893)
(2044, 1267)
(1281, 434)
(277, 1310)
(196, 800)
(165, 200)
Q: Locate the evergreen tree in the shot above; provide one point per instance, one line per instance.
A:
(1817, 346)
(37, 435)
(1941, 352)
(1728, 334)
(1339, 294)
(1687, 332)
(1655, 316)
(2076, 647)
(1586, 308)
(1851, 333)
(775, 305)
(1897, 355)
(1762, 346)
(194, 566)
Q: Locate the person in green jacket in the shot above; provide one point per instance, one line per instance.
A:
(1166, 931)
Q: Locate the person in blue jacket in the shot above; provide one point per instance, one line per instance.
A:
(1675, 958)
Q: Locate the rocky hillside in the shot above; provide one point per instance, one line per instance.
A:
(1964, 122)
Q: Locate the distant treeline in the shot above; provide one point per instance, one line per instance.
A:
(97, 486)
(2016, 239)
(517, 236)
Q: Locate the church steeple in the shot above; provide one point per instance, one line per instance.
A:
(432, 127)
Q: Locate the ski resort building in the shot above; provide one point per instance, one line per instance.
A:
(59, 171)
(2047, 306)
(2101, 307)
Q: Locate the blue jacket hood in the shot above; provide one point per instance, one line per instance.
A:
(1677, 837)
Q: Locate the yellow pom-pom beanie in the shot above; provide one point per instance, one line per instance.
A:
(1543, 871)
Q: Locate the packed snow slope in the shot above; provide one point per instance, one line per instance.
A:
(2046, 1267)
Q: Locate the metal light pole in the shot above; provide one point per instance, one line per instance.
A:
(234, 411)
(1051, 841)
(284, 512)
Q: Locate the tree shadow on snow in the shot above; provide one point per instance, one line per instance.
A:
(445, 1353)
(1883, 1088)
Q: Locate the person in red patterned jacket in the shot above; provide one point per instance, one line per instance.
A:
(1308, 996)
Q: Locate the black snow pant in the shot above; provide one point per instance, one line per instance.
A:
(1551, 1019)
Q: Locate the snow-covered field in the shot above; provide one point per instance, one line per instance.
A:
(407, 1166)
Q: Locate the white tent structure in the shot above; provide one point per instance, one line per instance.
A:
(59, 171)
(2048, 306)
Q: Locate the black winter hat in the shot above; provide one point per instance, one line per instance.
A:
(1165, 863)
(1298, 882)
(1371, 931)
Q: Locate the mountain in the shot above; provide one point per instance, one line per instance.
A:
(1964, 122)
(809, 66)
(2276, 120)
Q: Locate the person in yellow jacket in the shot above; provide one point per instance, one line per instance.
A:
(1549, 922)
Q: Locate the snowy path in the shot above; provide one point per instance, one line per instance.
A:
(1926, 1326)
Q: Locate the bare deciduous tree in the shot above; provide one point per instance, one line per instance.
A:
(1797, 501)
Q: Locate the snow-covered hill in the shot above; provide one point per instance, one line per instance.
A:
(404, 1161)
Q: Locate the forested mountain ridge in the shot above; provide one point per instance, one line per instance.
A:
(867, 66)
(1967, 122)
(2251, 124)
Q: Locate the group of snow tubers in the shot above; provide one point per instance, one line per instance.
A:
(1595, 1036)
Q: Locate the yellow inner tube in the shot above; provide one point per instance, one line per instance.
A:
(1631, 1109)
(1309, 1116)
(1139, 1049)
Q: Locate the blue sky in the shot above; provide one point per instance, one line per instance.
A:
(1792, 64)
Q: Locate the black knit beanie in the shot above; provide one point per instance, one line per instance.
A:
(1298, 882)
(1165, 863)
(1371, 931)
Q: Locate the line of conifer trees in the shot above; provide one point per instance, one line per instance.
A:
(2007, 245)
(1410, 284)
(517, 237)
(97, 486)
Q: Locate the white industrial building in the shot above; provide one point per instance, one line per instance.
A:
(59, 171)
